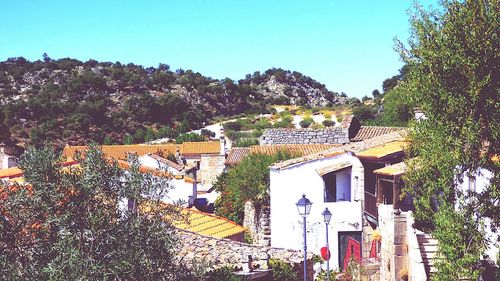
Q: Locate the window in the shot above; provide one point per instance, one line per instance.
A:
(337, 186)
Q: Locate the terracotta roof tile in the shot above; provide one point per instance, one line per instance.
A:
(299, 149)
(368, 132)
(13, 172)
(210, 147)
(169, 163)
(207, 224)
(236, 155)
(121, 151)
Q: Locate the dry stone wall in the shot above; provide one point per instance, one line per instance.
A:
(195, 248)
(257, 220)
(338, 135)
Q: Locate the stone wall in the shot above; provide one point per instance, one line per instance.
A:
(336, 135)
(195, 249)
(394, 250)
(211, 166)
(258, 222)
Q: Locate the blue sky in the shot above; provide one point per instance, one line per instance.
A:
(347, 45)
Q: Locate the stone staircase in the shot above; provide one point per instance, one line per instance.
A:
(428, 250)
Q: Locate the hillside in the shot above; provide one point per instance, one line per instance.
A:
(69, 101)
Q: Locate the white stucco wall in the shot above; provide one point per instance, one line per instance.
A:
(180, 190)
(287, 187)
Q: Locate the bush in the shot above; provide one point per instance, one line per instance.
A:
(328, 123)
(207, 133)
(223, 273)
(282, 271)
(246, 142)
(232, 126)
(306, 122)
(189, 137)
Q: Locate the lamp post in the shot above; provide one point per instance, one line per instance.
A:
(327, 216)
(304, 207)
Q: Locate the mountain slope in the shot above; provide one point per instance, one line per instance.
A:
(74, 102)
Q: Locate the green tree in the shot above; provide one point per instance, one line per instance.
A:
(249, 180)
(67, 225)
(453, 76)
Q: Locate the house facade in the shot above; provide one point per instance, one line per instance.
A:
(336, 179)
(334, 182)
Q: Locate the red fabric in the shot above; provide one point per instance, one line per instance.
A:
(353, 250)
(373, 250)
(325, 253)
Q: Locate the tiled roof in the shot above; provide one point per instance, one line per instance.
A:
(299, 149)
(169, 163)
(383, 150)
(15, 172)
(11, 172)
(144, 169)
(354, 147)
(392, 170)
(210, 147)
(121, 151)
(236, 155)
(368, 132)
(207, 224)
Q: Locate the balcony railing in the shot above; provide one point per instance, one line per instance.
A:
(371, 204)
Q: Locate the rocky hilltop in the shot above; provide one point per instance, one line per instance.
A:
(70, 101)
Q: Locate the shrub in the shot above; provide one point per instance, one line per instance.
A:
(282, 271)
(232, 126)
(246, 142)
(306, 122)
(188, 137)
(223, 273)
(328, 123)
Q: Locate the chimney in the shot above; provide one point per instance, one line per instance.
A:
(222, 145)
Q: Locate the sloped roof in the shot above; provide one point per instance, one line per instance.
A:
(144, 169)
(236, 155)
(392, 170)
(121, 151)
(368, 132)
(207, 224)
(300, 149)
(354, 147)
(383, 150)
(12, 172)
(167, 162)
(210, 147)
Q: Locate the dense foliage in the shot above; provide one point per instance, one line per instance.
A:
(67, 226)
(249, 180)
(453, 76)
(69, 101)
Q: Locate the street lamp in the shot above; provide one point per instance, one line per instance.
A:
(304, 207)
(327, 216)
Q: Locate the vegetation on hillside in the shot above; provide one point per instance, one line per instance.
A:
(453, 76)
(69, 101)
